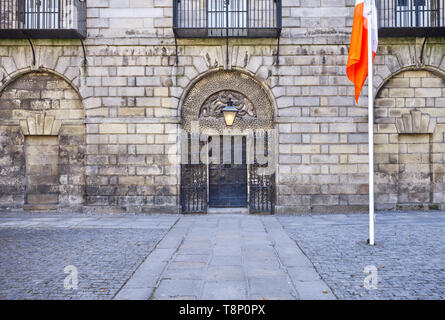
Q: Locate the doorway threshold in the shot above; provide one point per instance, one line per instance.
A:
(228, 211)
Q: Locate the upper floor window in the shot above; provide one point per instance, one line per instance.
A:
(227, 18)
(40, 14)
(410, 17)
(42, 18)
(227, 14)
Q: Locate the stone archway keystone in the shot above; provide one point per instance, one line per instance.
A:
(41, 124)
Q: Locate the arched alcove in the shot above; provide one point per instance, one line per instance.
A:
(222, 169)
(409, 140)
(42, 143)
(216, 87)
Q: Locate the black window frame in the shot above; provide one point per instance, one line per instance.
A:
(67, 20)
(233, 18)
(411, 18)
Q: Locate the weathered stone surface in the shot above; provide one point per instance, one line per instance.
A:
(415, 123)
(51, 149)
(135, 94)
(251, 257)
(406, 153)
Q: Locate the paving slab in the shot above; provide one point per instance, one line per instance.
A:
(193, 257)
(224, 290)
(225, 273)
(134, 294)
(176, 289)
(310, 290)
(229, 257)
(226, 260)
(272, 288)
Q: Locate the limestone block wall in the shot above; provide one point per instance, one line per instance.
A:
(131, 91)
(12, 162)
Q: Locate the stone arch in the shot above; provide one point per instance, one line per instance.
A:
(228, 82)
(42, 142)
(21, 72)
(383, 81)
(230, 184)
(409, 109)
(48, 58)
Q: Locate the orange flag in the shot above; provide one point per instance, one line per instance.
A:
(357, 67)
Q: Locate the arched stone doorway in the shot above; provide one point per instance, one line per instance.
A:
(42, 144)
(409, 141)
(222, 166)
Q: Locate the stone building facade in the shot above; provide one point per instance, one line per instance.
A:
(98, 126)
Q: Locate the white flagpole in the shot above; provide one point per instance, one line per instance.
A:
(370, 126)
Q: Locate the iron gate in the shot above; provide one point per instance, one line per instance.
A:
(193, 180)
(261, 181)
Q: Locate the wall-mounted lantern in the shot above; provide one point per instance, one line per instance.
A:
(230, 113)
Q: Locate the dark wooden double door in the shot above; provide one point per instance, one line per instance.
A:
(228, 172)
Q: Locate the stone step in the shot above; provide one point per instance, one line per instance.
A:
(40, 207)
(228, 211)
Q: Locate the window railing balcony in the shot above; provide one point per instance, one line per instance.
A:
(226, 18)
(45, 19)
(398, 18)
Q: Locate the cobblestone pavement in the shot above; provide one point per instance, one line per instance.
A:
(222, 256)
(226, 256)
(409, 255)
(106, 251)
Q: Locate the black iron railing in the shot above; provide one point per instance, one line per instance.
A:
(410, 17)
(43, 18)
(226, 18)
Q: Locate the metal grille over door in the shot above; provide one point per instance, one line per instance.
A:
(242, 180)
(193, 181)
(261, 181)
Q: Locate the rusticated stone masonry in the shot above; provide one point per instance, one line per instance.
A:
(42, 144)
(120, 113)
(409, 141)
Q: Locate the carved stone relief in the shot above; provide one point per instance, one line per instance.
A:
(213, 106)
(209, 95)
(41, 124)
(415, 122)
